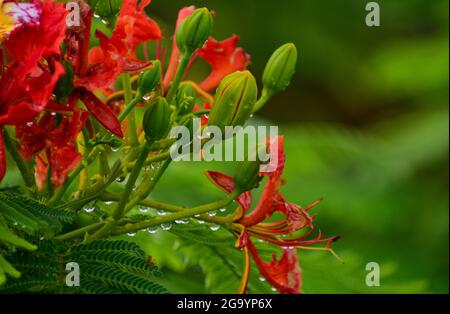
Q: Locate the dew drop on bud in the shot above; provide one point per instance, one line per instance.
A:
(201, 221)
(212, 214)
(222, 210)
(143, 209)
(214, 227)
(261, 278)
(131, 234)
(161, 213)
(152, 230)
(108, 202)
(274, 289)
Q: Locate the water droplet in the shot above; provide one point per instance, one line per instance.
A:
(222, 210)
(131, 234)
(105, 22)
(182, 221)
(120, 179)
(251, 116)
(261, 278)
(212, 214)
(152, 230)
(108, 202)
(166, 226)
(273, 289)
(114, 149)
(201, 221)
(147, 97)
(96, 15)
(89, 208)
(197, 216)
(214, 227)
(143, 209)
(161, 213)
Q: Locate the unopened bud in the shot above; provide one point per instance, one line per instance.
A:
(185, 98)
(234, 100)
(280, 68)
(156, 120)
(194, 31)
(248, 175)
(149, 79)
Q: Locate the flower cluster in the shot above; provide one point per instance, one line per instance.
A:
(70, 103)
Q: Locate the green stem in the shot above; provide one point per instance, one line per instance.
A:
(80, 232)
(265, 97)
(27, 176)
(150, 160)
(171, 217)
(118, 211)
(128, 108)
(147, 186)
(184, 62)
(107, 196)
(60, 192)
(132, 135)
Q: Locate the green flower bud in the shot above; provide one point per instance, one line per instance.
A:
(194, 31)
(149, 79)
(234, 100)
(156, 120)
(185, 98)
(280, 68)
(247, 177)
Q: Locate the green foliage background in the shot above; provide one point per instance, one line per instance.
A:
(366, 127)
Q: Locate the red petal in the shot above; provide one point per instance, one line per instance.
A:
(224, 57)
(226, 183)
(101, 112)
(63, 160)
(32, 42)
(32, 139)
(135, 23)
(40, 173)
(2, 156)
(284, 274)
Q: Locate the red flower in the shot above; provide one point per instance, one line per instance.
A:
(101, 66)
(54, 141)
(284, 274)
(224, 57)
(28, 81)
(116, 54)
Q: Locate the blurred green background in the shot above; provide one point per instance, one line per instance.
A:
(366, 127)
